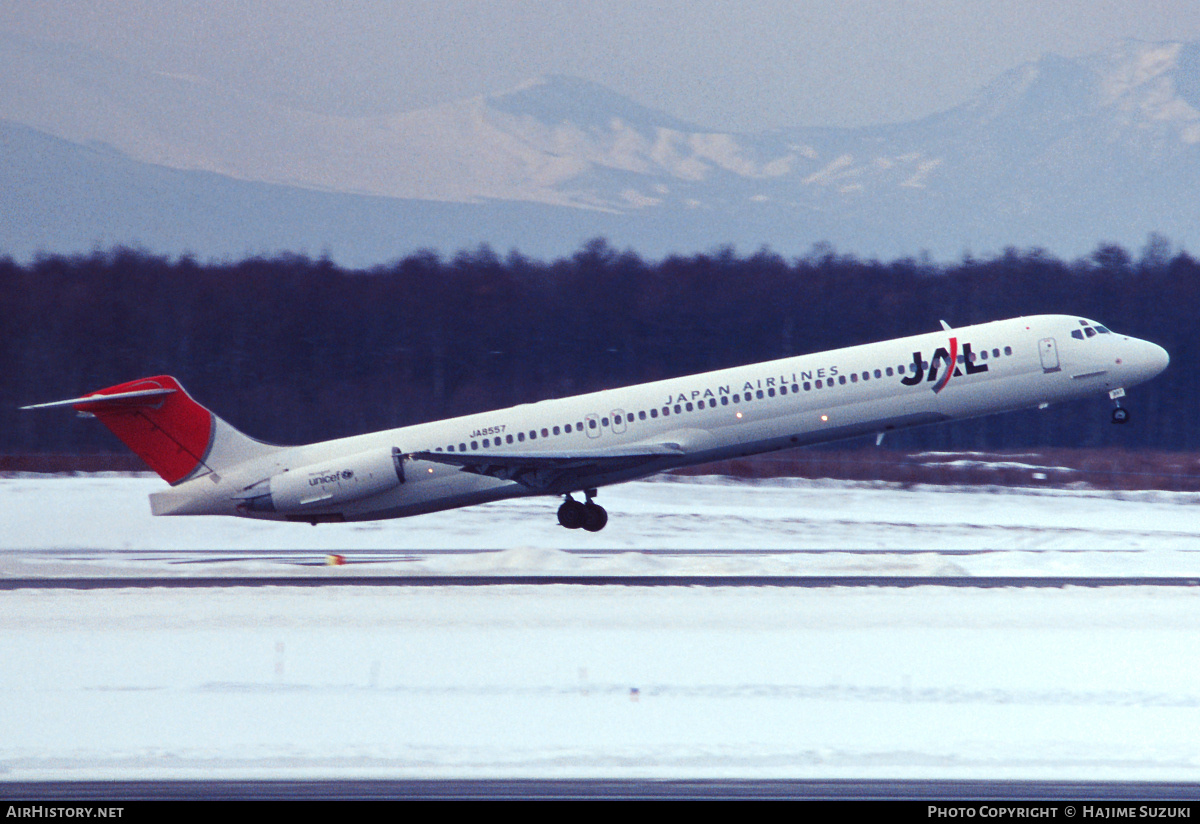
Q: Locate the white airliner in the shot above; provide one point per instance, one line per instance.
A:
(578, 444)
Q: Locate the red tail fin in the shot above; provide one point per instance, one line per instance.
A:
(167, 429)
(176, 436)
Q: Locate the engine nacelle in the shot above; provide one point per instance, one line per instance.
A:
(331, 483)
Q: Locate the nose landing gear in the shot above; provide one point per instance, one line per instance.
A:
(590, 515)
(1120, 414)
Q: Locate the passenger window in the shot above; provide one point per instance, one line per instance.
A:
(995, 353)
(737, 398)
(889, 372)
(556, 431)
(642, 415)
(807, 386)
(678, 409)
(899, 370)
(879, 374)
(770, 392)
(545, 433)
(983, 354)
(783, 390)
(724, 400)
(688, 407)
(486, 443)
(666, 411)
(521, 437)
(759, 394)
(654, 413)
(749, 397)
(1008, 350)
(853, 377)
(533, 434)
(842, 380)
(818, 383)
(450, 448)
(462, 447)
(795, 388)
(508, 438)
(591, 423)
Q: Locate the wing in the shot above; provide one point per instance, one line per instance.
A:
(554, 472)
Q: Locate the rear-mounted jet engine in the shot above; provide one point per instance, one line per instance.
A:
(332, 483)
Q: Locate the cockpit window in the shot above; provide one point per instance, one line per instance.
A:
(1090, 332)
(1103, 331)
(1077, 334)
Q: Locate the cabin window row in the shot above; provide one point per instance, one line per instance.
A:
(710, 403)
(618, 420)
(521, 437)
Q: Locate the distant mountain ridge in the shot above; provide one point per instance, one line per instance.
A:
(1061, 153)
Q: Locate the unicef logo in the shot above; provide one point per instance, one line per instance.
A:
(331, 478)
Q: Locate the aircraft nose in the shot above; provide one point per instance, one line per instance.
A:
(1157, 357)
(1149, 359)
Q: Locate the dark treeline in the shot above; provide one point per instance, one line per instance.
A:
(291, 349)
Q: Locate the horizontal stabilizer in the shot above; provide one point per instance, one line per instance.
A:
(138, 398)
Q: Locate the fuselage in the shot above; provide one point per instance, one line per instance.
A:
(873, 388)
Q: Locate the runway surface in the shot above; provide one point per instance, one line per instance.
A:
(1057, 792)
(796, 581)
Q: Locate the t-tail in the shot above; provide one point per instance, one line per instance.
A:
(176, 437)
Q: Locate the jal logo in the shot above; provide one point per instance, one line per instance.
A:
(943, 357)
(332, 477)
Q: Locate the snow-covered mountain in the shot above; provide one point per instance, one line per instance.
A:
(1061, 153)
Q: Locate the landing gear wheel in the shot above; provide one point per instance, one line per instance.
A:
(595, 517)
(1120, 415)
(572, 514)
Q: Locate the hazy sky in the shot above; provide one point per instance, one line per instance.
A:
(741, 65)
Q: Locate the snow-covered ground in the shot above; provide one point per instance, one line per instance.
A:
(559, 680)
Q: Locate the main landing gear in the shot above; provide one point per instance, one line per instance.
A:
(1120, 414)
(590, 515)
